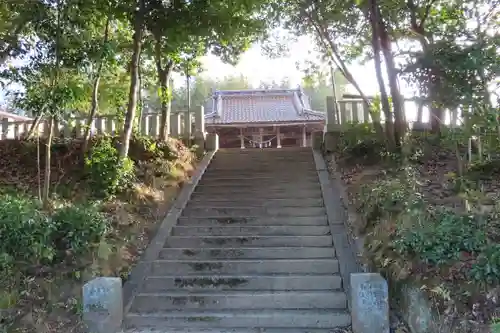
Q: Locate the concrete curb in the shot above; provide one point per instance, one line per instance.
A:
(141, 270)
(337, 220)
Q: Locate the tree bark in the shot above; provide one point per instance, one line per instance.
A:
(397, 101)
(34, 125)
(95, 89)
(436, 111)
(336, 58)
(48, 157)
(164, 73)
(384, 98)
(134, 81)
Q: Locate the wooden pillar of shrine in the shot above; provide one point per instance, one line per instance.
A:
(278, 137)
(304, 136)
(261, 137)
(242, 139)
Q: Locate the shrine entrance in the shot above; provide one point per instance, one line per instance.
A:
(271, 136)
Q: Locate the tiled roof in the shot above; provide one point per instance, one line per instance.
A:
(259, 106)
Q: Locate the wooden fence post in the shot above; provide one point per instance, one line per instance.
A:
(175, 124)
(187, 125)
(5, 128)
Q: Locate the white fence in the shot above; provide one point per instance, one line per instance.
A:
(181, 125)
(356, 111)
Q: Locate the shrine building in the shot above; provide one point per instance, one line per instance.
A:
(261, 118)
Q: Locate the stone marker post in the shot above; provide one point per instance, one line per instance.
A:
(212, 142)
(370, 303)
(332, 125)
(199, 133)
(103, 305)
(317, 140)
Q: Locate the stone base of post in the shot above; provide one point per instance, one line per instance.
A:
(317, 140)
(212, 142)
(199, 141)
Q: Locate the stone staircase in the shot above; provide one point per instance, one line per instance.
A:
(251, 252)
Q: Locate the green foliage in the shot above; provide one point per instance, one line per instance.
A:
(108, 174)
(24, 230)
(387, 198)
(437, 237)
(486, 269)
(360, 144)
(440, 237)
(78, 228)
(31, 236)
(145, 148)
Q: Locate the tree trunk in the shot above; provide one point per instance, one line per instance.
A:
(384, 98)
(95, 90)
(134, 82)
(336, 59)
(165, 105)
(48, 157)
(164, 73)
(34, 125)
(397, 103)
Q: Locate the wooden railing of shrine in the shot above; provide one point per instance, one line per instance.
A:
(181, 126)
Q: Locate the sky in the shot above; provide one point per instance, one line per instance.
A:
(258, 67)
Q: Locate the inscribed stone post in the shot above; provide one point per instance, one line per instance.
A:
(370, 303)
(331, 119)
(103, 305)
(212, 142)
(317, 140)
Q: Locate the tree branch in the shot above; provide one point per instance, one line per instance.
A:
(426, 13)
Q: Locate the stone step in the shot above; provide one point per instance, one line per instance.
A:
(267, 203)
(247, 241)
(272, 155)
(237, 330)
(299, 183)
(243, 282)
(255, 195)
(284, 150)
(267, 230)
(253, 220)
(272, 168)
(248, 253)
(282, 174)
(307, 157)
(244, 267)
(262, 179)
(239, 300)
(264, 192)
(292, 164)
(253, 211)
(240, 319)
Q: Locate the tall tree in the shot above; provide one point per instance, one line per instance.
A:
(194, 28)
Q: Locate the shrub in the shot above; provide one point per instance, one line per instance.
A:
(386, 197)
(109, 174)
(440, 237)
(25, 232)
(78, 228)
